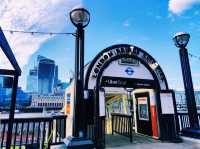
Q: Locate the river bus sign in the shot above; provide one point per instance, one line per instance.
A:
(129, 51)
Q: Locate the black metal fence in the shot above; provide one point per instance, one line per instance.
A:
(122, 124)
(40, 132)
(183, 121)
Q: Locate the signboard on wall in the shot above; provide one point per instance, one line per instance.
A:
(167, 105)
(102, 111)
(126, 82)
(143, 109)
(129, 61)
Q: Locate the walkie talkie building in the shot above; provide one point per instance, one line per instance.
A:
(43, 77)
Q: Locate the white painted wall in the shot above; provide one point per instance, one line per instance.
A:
(117, 70)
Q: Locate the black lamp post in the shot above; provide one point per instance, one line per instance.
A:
(130, 99)
(181, 40)
(80, 17)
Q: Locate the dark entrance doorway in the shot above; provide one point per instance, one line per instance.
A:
(143, 114)
(119, 112)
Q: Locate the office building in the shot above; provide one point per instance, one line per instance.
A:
(44, 77)
(32, 85)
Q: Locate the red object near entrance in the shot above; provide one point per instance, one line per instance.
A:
(154, 121)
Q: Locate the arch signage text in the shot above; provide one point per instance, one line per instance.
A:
(129, 50)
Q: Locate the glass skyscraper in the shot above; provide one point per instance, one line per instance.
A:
(44, 77)
(32, 81)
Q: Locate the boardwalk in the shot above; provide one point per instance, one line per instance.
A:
(116, 140)
(159, 145)
(142, 142)
(139, 142)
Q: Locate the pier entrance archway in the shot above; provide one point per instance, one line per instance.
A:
(128, 66)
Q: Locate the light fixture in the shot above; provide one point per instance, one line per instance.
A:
(181, 39)
(80, 17)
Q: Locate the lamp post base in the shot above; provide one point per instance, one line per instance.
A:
(77, 143)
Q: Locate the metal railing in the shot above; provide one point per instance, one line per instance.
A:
(122, 124)
(183, 121)
(37, 132)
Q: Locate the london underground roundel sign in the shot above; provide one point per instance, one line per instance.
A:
(129, 71)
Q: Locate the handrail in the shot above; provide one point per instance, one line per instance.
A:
(183, 121)
(34, 132)
(122, 124)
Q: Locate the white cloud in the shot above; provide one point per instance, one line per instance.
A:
(35, 15)
(178, 6)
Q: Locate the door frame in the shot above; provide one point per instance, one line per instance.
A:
(138, 95)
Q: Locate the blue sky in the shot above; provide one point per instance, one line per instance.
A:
(149, 25)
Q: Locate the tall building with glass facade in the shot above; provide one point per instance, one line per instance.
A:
(44, 77)
(32, 83)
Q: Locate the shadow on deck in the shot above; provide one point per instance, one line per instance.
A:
(120, 141)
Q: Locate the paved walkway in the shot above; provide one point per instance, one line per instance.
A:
(143, 142)
(150, 145)
(121, 141)
(139, 142)
(185, 145)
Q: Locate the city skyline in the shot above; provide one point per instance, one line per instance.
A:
(119, 22)
(87, 74)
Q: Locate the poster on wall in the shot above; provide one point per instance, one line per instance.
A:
(143, 108)
(167, 103)
(102, 111)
